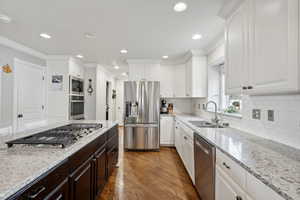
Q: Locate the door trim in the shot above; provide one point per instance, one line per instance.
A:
(15, 90)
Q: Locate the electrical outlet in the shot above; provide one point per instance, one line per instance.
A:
(271, 115)
(256, 114)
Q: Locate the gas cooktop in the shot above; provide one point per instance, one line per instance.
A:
(62, 136)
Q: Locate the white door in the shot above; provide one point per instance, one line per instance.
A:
(29, 95)
(119, 101)
(236, 50)
(274, 36)
(226, 189)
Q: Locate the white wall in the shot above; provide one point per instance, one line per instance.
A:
(102, 76)
(7, 56)
(58, 101)
(90, 100)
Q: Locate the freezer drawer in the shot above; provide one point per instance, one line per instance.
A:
(141, 137)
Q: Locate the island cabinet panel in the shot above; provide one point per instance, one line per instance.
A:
(81, 182)
(100, 165)
(61, 192)
(82, 176)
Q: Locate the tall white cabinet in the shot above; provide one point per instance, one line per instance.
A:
(262, 48)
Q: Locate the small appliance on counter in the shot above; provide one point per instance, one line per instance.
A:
(163, 107)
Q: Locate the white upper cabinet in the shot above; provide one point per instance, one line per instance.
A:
(236, 50)
(196, 76)
(262, 48)
(273, 44)
(178, 81)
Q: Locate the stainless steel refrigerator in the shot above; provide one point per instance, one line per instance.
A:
(141, 120)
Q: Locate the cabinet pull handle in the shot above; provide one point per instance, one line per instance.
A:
(250, 87)
(225, 165)
(244, 88)
(37, 192)
(59, 197)
(238, 198)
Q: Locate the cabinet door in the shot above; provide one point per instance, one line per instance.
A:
(100, 171)
(226, 188)
(179, 81)
(190, 158)
(166, 131)
(188, 78)
(61, 192)
(236, 50)
(274, 46)
(177, 137)
(81, 182)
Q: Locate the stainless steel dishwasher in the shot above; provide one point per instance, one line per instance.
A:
(204, 168)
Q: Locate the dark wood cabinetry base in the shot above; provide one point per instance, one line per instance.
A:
(80, 177)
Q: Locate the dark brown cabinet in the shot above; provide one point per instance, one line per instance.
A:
(61, 192)
(81, 182)
(100, 163)
(82, 176)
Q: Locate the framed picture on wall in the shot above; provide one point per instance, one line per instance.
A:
(57, 82)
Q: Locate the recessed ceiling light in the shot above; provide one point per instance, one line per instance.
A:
(45, 35)
(124, 51)
(116, 67)
(124, 74)
(196, 37)
(89, 35)
(5, 19)
(180, 7)
(165, 57)
(79, 56)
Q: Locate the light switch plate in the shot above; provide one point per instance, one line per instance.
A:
(256, 114)
(271, 115)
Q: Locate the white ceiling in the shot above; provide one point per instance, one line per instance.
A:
(147, 28)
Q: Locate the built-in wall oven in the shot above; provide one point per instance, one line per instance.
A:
(76, 95)
(76, 86)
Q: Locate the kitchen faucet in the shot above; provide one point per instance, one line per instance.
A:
(215, 120)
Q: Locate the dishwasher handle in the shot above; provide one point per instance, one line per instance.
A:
(198, 144)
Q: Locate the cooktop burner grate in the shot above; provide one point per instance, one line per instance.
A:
(62, 136)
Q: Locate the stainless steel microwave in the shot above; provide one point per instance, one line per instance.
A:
(76, 86)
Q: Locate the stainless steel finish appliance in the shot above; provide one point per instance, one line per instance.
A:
(141, 120)
(205, 158)
(76, 110)
(62, 136)
(76, 95)
(76, 86)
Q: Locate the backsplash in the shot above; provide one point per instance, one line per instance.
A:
(284, 129)
(181, 105)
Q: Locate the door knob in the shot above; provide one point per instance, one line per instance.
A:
(244, 88)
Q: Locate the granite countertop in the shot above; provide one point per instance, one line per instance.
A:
(276, 165)
(20, 164)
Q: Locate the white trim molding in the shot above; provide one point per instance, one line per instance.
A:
(229, 7)
(17, 46)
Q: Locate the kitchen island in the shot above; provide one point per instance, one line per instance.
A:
(45, 172)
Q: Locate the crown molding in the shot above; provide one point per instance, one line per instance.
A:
(58, 57)
(218, 41)
(90, 65)
(229, 7)
(20, 47)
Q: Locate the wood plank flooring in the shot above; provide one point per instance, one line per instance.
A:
(149, 176)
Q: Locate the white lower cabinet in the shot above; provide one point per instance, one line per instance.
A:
(167, 130)
(226, 189)
(235, 183)
(184, 143)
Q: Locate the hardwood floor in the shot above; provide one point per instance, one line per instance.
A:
(149, 176)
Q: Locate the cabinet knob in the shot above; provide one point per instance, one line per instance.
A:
(250, 87)
(244, 88)
(238, 198)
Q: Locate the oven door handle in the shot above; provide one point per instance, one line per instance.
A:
(206, 151)
(77, 101)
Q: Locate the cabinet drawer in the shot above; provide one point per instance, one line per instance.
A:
(45, 185)
(231, 168)
(257, 190)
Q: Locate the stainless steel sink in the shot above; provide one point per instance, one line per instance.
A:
(205, 124)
